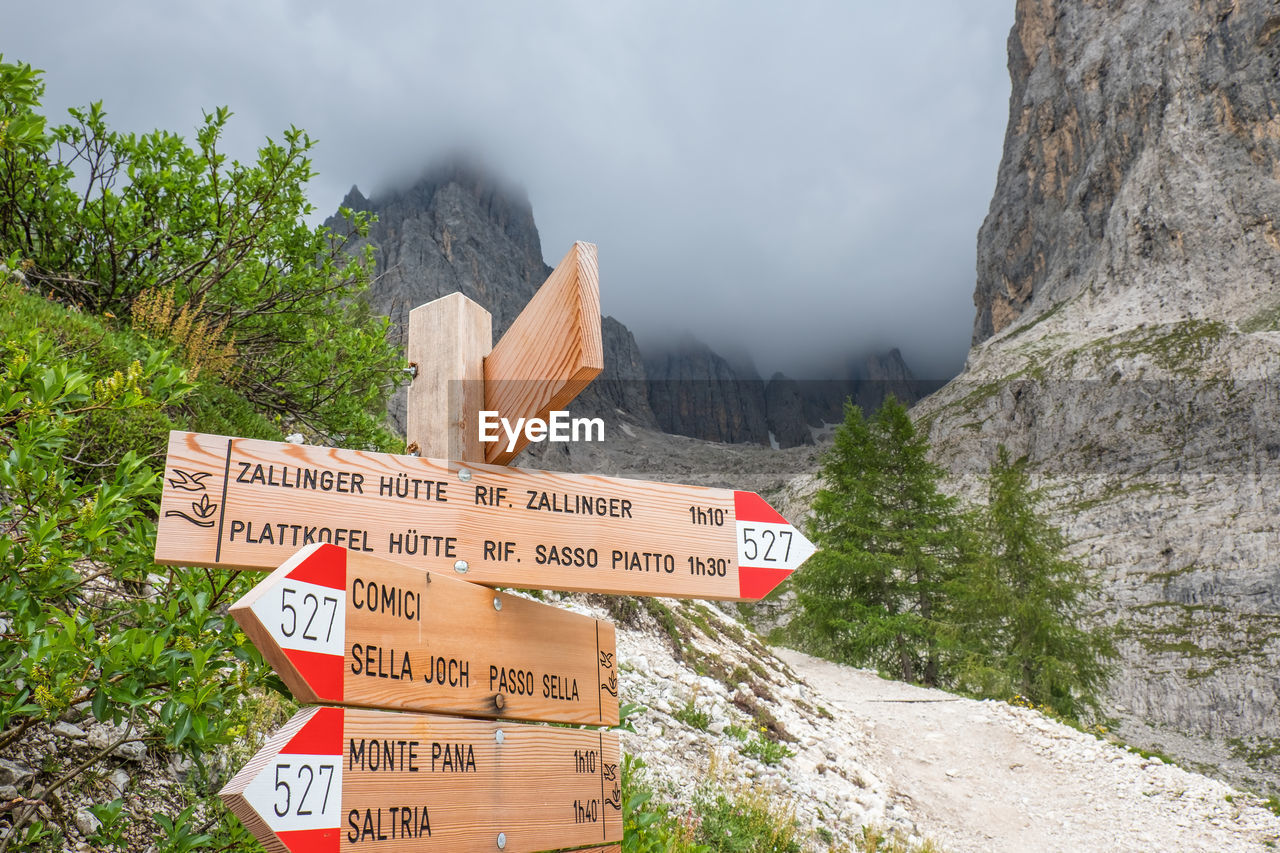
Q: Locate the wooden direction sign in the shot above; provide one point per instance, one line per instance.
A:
(343, 779)
(346, 628)
(250, 504)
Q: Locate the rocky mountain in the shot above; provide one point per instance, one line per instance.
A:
(870, 380)
(695, 392)
(1139, 166)
(459, 229)
(1127, 342)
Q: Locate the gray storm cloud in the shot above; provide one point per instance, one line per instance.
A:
(794, 179)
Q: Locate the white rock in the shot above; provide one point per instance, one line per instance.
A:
(86, 822)
(119, 781)
(67, 730)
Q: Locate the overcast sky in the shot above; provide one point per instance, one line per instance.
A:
(793, 178)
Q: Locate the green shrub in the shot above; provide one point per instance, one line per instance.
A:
(88, 619)
(745, 823)
(877, 839)
(216, 256)
(691, 716)
(766, 749)
(206, 405)
(650, 826)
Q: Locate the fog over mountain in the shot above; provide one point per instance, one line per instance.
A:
(797, 180)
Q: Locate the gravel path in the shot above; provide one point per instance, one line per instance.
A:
(985, 776)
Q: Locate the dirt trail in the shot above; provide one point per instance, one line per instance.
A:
(985, 776)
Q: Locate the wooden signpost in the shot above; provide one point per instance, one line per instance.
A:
(375, 600)
(552, 351)
(250, 504)
(345, 628)
(335, 779)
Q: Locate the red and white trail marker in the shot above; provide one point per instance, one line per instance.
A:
(335, 779)
(345, 628)
(250, 504)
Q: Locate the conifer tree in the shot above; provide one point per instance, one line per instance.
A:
(876, 592)
(1030, 602)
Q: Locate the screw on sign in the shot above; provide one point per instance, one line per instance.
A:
(335, 779)
(347, 628)
(258, 502)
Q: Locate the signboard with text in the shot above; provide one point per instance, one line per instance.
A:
(343, 779)
(345, 628)
(250, 504)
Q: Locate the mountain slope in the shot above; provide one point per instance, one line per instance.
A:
(1128, 345)
(964, 775)
(457, 229)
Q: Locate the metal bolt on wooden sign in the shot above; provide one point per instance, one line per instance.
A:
(335, 779)
(250, 504)
(345, 628)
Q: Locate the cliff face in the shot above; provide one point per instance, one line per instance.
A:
(1139, 163)
(457, 229)
(695, 392)
(454, 230)
(1127, 341)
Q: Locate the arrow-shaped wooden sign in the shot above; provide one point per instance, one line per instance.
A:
(251, 504)
(342, 627)
(335, 779)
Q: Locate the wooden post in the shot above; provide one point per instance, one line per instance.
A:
(448, 340)
(549, 355)
(551, 352)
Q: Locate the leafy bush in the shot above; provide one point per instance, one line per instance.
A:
(691, 716)
(766, 749)
(650, 826)
(745, 823)
(215, 254)
(208, 405)
(183, 291)
(712, 820)
(89, 626)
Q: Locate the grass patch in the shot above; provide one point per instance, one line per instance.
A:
(1254, 750)
(691, 716)
(877, 839)
(765, 749)
(667, 622)
(1151, 753)
(745, 822)
(211, 407)
(1266, 320)
(1176, 347)
(711, 820)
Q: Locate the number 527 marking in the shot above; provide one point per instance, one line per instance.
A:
(284, 790)
(766, 545)
(309, 601)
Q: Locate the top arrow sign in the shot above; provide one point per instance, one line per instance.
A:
(251, 504)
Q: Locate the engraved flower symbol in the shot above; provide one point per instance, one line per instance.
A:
(204, 507)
